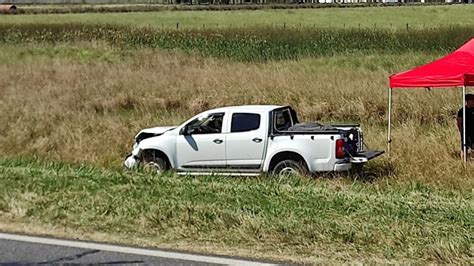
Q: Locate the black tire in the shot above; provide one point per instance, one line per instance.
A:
(289, 167)
(156, 164)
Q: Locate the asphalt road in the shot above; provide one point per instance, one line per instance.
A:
(21, 249)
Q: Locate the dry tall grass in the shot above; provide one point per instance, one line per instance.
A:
(84, 104)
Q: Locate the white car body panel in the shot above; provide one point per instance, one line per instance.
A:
(198, 151)
(317, 150)
(247, 149)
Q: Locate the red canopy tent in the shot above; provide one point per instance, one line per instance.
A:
(453, 70)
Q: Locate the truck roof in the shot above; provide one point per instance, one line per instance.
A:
(248, 108)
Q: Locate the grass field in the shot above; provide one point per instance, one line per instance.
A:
(327, 220)
(69, 109)
(386, 17)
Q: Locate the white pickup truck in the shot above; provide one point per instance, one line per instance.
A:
(250, 140)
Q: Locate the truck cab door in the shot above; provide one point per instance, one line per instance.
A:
(200, 145)
(246, 141)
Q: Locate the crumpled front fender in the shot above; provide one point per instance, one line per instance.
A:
(164, 144)
(133, 159)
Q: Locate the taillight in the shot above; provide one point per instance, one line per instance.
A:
(340, 152)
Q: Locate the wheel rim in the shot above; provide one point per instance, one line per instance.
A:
(155, 167)
(288, 171)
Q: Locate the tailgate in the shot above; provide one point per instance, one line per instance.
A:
(370, 154)
(365, 156)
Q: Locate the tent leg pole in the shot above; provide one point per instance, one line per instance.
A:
(389, 130)
(464, 146)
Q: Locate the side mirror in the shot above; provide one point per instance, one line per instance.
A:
(184, 131)
(188, 130)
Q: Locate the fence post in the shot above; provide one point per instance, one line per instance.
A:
(284, 25)
(177, 25)
(407, 26)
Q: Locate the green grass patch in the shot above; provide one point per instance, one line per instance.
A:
(333, 219)
(250, 44)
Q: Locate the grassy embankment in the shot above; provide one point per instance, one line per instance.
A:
(82, 101)
(297, 219)
(387, 17)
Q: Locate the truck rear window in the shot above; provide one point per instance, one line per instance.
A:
(242, 122)
(283, 119)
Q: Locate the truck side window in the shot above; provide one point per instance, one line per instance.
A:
(242, 122)
(207, 125)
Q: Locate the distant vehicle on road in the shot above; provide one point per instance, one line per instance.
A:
(250, 140)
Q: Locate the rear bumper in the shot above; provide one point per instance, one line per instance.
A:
(342, 167)
(357, 161)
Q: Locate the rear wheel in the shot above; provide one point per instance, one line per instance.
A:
(289, 167)
(152, 162)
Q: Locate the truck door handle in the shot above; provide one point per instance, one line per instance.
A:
(257, 140)
(218, 141)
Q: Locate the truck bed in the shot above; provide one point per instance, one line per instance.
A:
(315, 128)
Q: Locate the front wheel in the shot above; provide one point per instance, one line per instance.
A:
(155, 164)
(289, 167)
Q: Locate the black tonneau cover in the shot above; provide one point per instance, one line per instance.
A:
(308, 128)
(313, 127)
